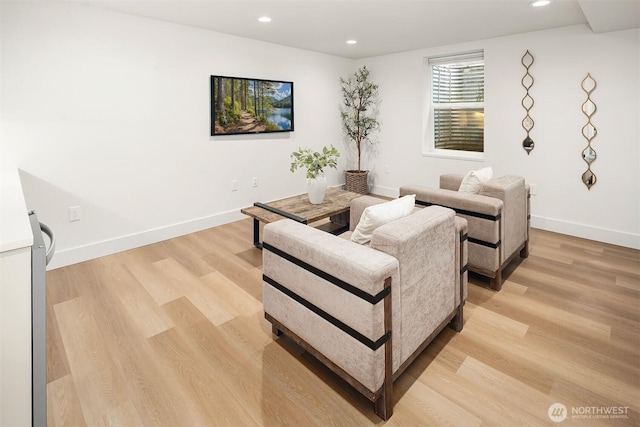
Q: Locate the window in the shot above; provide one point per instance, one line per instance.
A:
(456, 107)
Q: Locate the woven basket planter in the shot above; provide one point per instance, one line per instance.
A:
(356, 181)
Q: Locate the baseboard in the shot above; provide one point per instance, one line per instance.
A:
(590, 232)
(107, 247)
(384, 191)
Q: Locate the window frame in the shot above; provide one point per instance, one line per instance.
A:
(428, 144)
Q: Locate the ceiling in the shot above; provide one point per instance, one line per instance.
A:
(380, 27)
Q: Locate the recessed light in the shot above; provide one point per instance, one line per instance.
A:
(264, 19)
(352, 41)
(539, 3)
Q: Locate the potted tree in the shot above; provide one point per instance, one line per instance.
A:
(315, 162)
(358, 113)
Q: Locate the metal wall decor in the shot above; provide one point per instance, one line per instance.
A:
(589, 131)
(527, 102)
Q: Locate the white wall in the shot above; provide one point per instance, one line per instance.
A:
(610, 211)
(111, 112)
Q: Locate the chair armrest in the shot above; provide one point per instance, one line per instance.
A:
(293, 294)
(502, 186)
(513, 192)
(481, 212)
(458, 201)
(358, 265)
(425, 245)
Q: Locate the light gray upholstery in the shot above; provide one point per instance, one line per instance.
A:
(497, 217)
(420, 253)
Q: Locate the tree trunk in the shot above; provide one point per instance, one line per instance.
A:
(220, 105)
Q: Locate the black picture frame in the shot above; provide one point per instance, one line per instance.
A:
(250, 106)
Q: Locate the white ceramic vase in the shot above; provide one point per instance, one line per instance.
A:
(316, 187)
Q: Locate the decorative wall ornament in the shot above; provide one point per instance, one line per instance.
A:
(589, 131)
(527, 102)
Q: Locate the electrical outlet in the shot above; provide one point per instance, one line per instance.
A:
(533, 189)
(234, 185)
(386, 169)
(75, 214)
(255, 181)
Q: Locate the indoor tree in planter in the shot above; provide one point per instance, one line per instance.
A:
(358, 113)
(315, 162)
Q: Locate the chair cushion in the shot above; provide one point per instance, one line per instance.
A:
(473, 181)
(377, 215)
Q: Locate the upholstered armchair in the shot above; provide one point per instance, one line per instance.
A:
(498, 219)
(367, 310)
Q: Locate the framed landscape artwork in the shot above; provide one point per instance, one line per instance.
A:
(246, 106)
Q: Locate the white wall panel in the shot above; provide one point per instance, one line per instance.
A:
(610, 211)
(111, 112)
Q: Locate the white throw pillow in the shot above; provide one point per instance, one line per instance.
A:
(473, 181)
(377, 215)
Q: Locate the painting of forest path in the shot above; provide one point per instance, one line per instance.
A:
(240, 105)
(248, 123)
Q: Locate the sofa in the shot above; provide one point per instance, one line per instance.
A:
(367, 310)
(498, 218)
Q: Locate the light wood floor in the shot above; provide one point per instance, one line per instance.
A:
(173, 334)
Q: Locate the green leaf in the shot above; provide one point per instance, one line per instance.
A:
(314, 162)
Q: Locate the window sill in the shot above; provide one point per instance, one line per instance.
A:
(472, 156)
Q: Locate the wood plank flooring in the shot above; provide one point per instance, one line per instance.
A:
(173, 334)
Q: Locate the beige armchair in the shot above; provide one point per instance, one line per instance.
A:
(367, 311)
(498, 219)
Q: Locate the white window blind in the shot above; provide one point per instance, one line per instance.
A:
(457, 101)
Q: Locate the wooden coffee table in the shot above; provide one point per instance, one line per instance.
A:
(299, 209)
